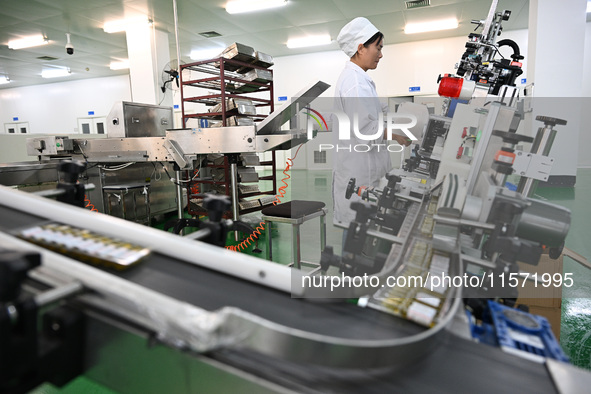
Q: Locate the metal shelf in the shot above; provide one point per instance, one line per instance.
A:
(230, 85)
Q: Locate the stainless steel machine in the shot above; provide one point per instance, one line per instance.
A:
(133, 166)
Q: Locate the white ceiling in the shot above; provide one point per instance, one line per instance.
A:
(266, 31)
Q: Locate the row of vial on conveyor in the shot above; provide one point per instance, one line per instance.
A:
(84, 245)
(423, 304)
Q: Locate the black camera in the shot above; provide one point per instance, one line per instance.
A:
(69, 46)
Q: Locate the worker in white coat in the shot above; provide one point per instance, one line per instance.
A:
(366, 160)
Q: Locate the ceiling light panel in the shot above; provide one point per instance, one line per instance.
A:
(28, 42)
(55, 73)
(309, 41)
(120, 65)
(443, 24)
(240, 6)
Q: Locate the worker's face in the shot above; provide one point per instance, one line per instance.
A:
(369, 57)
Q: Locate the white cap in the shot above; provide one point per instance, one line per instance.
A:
(356, 32)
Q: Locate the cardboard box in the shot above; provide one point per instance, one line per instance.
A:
(535, 294)
(552, 314)
(543, 301)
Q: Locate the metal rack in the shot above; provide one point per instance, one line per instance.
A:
(227, 78)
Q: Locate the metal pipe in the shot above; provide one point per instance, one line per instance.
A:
(176, 35)
(489, 20)
(463, 222)
(56, 294)
(212, 257)
(179, 194)
(234, 191)
(200, 234)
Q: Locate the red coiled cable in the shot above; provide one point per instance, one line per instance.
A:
(280, 194)
(89, 204)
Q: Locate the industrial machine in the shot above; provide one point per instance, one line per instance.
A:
(141, 140)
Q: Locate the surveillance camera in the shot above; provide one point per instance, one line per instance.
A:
(69, 46)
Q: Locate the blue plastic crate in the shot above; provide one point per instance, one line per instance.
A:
(518, 332)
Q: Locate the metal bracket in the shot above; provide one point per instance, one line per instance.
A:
(532, 165)
(176, 152)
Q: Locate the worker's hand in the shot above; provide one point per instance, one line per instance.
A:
(401, 139)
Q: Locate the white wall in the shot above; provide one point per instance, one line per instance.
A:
(55, 108)
(585, 133)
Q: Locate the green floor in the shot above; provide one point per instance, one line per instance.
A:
(575, 336)
(316, 185)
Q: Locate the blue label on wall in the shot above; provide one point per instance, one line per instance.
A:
(176, 106)
(282, 98)
(414, 89)
(523, 80)
(15, 119)
(90, 112)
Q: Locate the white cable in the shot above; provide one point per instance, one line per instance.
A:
(117, 168)
(187, 181)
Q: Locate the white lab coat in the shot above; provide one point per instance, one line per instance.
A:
(356, 92)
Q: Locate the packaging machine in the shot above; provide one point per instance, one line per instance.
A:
(380, 316)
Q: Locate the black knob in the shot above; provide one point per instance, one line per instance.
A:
(350, 188)
(363, 209)
(549, 121)
(71, 169)
(216, 205)
(392, 180)
(512, 138)
(326, 258)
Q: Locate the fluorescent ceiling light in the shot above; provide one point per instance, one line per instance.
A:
(444, 24)
(588, 7)
(28, 42)
(203, 54)
(56, 73)
(239, 6)
(309, 41)
(121, 65)
(4, 80)
(124, 24)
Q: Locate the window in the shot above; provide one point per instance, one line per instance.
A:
(319, 157)
(16, 128)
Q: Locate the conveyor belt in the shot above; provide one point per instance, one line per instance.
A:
(454, 364)
(212, 290)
